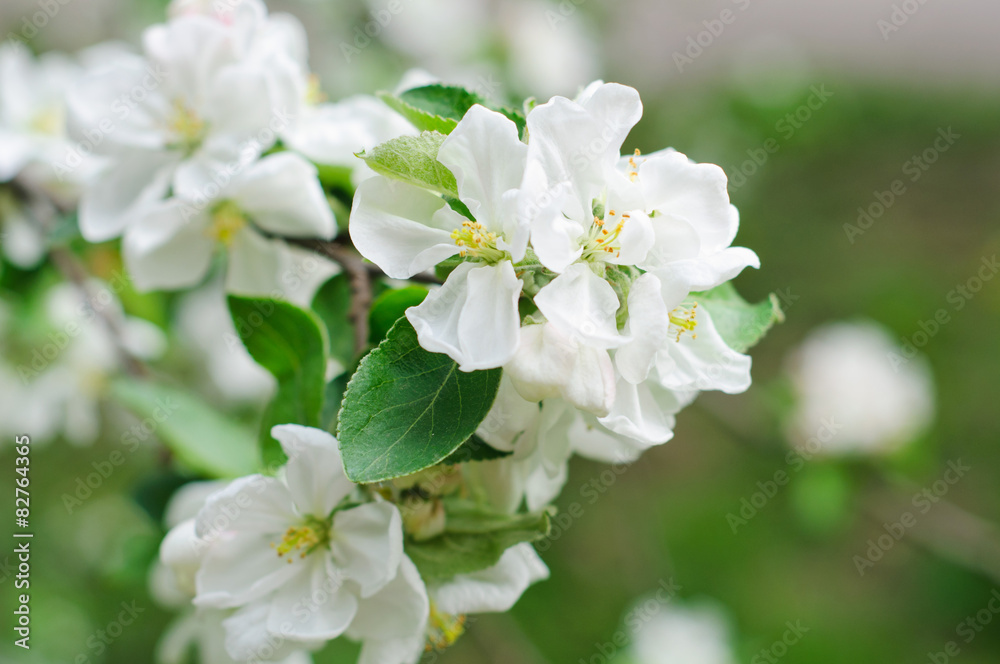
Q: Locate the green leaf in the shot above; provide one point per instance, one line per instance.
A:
(413, 159)
(474, 539)
(421, 119)
(440, 107)
(389, 307)
(475, 449)
(740, 323)
(407, 409)
(332, 303)
(201, 438)
(331, 403)
(291, 343)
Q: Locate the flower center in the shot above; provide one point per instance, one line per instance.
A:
(227, 220)
(475, 242)
(684, 319)
(314, 92)
(303, 539)
(187, 128)
(601, 241)
(49, 121)
(443, 629)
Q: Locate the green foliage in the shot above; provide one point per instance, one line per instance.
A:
(389, 307)
(440, 107)
(475, 449)
(474, 538)
(413, 159)
(740, 323)
(407, 409)
(202, 439)
(332, 303)
(291, 343)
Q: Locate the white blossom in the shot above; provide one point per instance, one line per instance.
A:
(850, 396)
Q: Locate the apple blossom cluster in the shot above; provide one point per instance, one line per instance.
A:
(211, 139)
(512, 291)
(277, 566)
(574, 269)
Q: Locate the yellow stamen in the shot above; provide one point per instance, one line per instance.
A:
(227, 220)
(303, 539)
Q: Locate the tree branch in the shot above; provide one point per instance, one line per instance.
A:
(361, 283)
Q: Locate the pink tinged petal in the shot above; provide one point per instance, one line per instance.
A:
(282, 195)
(705, 362)
(367, 545)
(679, 189)
(124, 191)
(487, 158)
(582, 305)
(313, 605)
(257, 265)
(247, 639)
(648, 326)
(398, 611)
(242, 567)
(453, 319)
(644, 413)
(495, 589)
(402, 228)
(168, 248)
(708, 272)
(314, 472)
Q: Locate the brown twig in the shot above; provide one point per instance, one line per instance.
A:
(361, 284)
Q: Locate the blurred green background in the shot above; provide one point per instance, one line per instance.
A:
(665, 517)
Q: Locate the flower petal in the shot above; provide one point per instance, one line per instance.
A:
(257, 265)
(313, 605)
(281, 194)
(168, 248)
(453, 319)
(643, 412)
(314, 472)
(240, 568)
(680, 189)
(397, 611)
(124, 191)
(703, 361)
(582, 305)
(253, 504)
(402, 228)
(709, 271)
(488, 159)
(367, 544)
(247, 639)
(495, 589)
